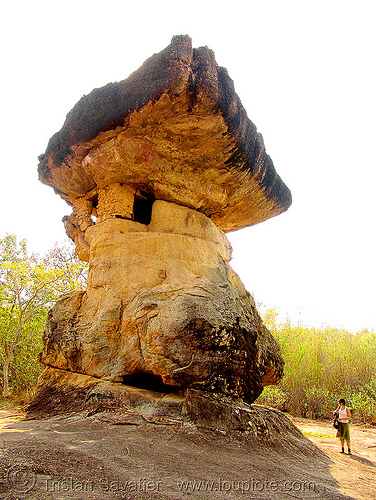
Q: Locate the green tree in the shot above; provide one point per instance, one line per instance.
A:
(29, 285)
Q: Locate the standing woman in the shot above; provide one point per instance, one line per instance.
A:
(344, 417)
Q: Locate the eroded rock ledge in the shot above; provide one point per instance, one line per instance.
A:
(176, 130)
(69, 393)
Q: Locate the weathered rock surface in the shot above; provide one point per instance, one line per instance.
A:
(121, 404)
(174, 129)
(162, 300)
(157, 168)
(153, 451)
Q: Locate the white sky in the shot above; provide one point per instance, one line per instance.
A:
(305, 72)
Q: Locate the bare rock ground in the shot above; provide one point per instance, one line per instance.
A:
(125, 456)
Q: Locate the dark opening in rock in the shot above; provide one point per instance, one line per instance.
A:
(143, 203)
(150, 382)
(94, 215)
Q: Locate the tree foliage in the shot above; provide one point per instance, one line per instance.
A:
(320, 367)
(29, 285)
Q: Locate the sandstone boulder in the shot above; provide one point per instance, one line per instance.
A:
(162, 300)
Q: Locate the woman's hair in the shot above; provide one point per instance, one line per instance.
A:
(342, 401)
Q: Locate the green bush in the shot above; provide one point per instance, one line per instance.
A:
(363, 407)
(272, 396)
(322, 366)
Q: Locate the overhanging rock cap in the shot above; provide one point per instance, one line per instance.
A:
(176, 130)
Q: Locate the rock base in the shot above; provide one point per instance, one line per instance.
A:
(64, 393)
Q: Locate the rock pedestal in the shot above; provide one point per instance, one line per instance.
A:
(166, 164)
(162, 301)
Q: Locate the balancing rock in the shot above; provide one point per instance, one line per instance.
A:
(157, 168)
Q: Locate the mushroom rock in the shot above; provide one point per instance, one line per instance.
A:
(157, 168)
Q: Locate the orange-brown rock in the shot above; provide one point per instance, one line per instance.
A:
(162, 300)
(157, 168)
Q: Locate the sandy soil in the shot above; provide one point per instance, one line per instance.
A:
(355, 474)
(80, 458)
